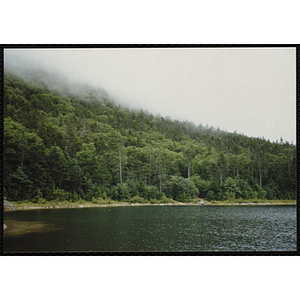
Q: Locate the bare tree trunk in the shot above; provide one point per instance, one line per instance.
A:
(159, 171)
(260, 179)
(120, 157)
(150, 148)
(227, 161)
(160, 183)
(22, 161)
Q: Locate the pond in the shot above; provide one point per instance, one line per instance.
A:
(152, 228)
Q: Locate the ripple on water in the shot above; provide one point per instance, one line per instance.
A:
(154, 228)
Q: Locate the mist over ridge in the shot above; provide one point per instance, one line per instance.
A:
(166, 83)
(59, 83)
(53, 81)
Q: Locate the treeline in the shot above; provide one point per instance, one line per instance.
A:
(69, 147)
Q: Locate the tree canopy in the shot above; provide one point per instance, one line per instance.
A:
(70, 145)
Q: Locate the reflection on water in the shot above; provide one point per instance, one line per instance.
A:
(153, 228)
(17, 228)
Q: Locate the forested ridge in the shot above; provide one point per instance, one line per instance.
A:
(65, 143)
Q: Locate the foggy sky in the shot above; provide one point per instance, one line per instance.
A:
(248, 90)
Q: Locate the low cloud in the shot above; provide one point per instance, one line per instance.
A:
(247, 90)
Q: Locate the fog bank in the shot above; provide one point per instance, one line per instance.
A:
(248, 90)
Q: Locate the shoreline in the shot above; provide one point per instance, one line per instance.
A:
(29, 207)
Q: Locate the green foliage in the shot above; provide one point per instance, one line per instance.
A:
(120, 192)
(181, 189)
(232, 190)
(152, 192)
(138, 199)
(42, 201)
(201, 184)
(75, 144)
(210, 195)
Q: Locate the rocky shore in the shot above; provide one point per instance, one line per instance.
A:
(7, 206)
(200, 203)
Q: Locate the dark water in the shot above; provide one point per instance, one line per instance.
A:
(153, 228)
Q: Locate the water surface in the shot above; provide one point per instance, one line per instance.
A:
(153, 228)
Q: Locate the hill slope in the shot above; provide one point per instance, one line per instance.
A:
(62, 143)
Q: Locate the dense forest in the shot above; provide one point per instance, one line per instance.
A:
(74, 142)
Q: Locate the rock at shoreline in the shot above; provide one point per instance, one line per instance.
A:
(80, 206)
(8, 205)
(4, 226)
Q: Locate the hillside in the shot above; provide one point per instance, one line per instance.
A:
(66, 142)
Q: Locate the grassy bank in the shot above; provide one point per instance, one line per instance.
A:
(24, 205)
(254, 201)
